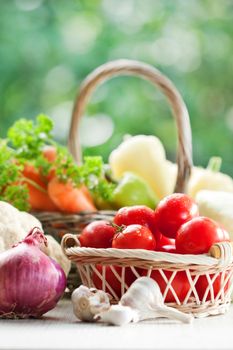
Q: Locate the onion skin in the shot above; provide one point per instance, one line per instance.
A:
(31, 283)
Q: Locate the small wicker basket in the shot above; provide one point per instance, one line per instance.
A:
(216, 270)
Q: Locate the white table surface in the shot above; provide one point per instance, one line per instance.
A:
(59, 329)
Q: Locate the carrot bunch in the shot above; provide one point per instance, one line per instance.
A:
(47, 178)
(48, 193)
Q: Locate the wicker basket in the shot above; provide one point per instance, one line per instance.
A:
(215, 270)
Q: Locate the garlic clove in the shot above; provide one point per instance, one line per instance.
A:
(144, 296)
(99, 302)
(88, 302)
(118, 315)
(80, 303)
(143, 293)
(82, 309)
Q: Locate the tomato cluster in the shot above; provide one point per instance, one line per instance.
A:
(174, 227)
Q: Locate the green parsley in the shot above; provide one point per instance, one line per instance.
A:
(28, 137)
(12, 188)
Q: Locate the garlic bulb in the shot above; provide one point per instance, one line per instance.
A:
(118, 315)
(143, 300)
(144, 296)
(88, 302)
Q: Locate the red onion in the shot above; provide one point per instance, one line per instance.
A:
(31, 283)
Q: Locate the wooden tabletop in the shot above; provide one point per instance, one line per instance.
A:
(59, 329)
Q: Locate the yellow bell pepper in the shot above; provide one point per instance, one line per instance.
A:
(144, 156)
(209, 179)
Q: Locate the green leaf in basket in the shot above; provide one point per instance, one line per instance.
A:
(12, 189)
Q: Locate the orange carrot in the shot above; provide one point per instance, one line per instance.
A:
(50, 153)
(68, 198)
(87, 193)
(33, 174)
(37, 188)
(39, 199)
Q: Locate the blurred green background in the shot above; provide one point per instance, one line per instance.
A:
(48, 47)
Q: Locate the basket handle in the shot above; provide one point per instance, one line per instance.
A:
(147, 72)
(69, 240)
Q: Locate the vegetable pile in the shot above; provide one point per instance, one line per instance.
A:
(38, 173)
(175, 226)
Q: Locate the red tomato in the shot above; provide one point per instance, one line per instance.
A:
(180, 284)
(134, 237)
(202, 284)
(168, 248)
(112, 280)
(162, 240)
(98, 234)
(137, 214)
(164, 244)
(173, 211)
(198, 235)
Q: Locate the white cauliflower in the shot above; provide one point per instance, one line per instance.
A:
(15, 225)
(8, 213)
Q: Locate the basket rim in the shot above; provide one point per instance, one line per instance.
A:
(220, 254)
(142, 254)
